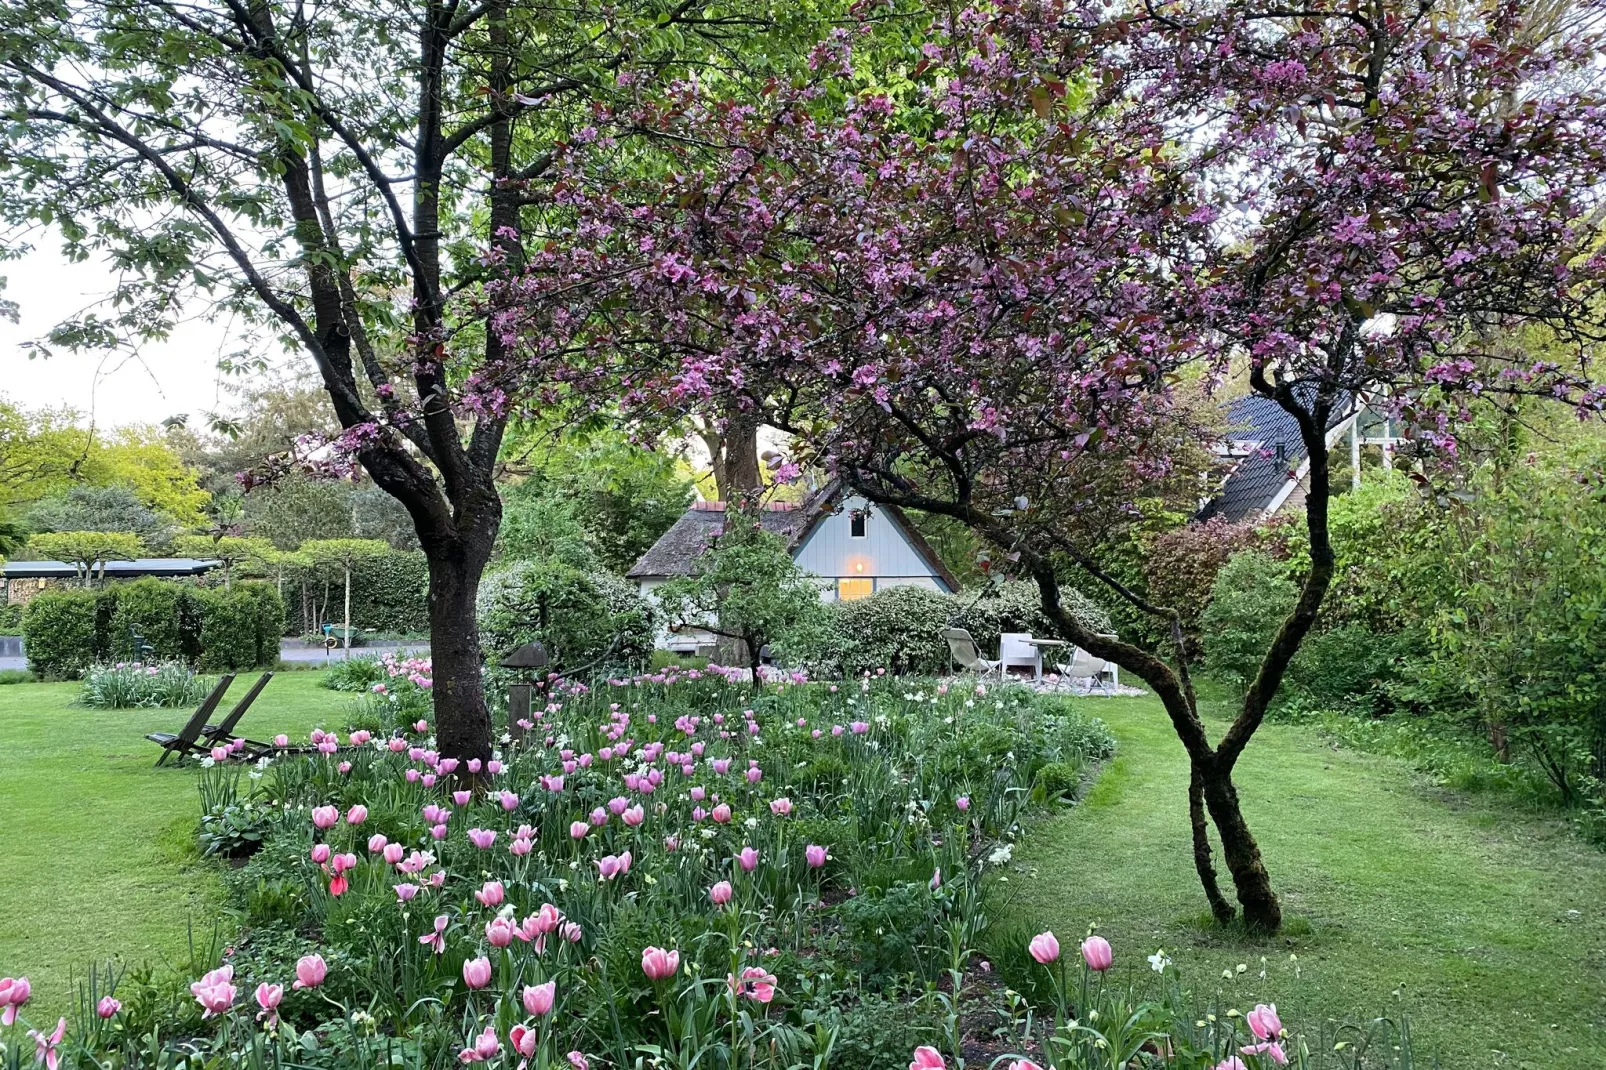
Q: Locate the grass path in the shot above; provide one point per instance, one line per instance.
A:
(1489, 924)
(97, 855)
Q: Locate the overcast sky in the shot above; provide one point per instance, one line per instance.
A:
(176, 376)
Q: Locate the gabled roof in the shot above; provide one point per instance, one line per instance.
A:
(1275, 452)
(695, 531)
(140, 566)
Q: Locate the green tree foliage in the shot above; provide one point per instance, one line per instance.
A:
(110, 508)
(621, 496)
(746, 589)
(582, 617)
(544, 527)
(86, 551)
(1251, 596)
(231, 551)
(343, 557)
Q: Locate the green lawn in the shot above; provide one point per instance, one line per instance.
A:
(1489, 924)
(97, 855)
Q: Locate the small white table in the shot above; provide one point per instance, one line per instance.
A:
(1038, 646)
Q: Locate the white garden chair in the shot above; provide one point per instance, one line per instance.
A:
(964, 651)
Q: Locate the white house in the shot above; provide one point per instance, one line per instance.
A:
(854, 547)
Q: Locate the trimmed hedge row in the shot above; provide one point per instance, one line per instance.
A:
(389, 593)
(216, 629)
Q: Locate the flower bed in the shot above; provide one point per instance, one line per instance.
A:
(133, 684)
(680, 870)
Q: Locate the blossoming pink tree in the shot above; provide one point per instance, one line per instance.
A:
(975, 292)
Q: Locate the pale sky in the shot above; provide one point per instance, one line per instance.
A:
(179, 375)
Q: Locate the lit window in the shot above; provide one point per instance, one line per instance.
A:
(851, 589)
(860, 520)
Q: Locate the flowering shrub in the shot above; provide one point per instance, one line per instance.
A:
(131, 684)
(672, 870)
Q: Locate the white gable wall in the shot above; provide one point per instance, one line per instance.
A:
(884, 554)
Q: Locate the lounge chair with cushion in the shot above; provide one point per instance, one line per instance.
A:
(187, 739)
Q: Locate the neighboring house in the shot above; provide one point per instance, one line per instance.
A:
(25, 579)
(1268, 465)
(855, 548)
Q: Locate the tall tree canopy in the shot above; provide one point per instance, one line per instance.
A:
(343, 174)
(974, 291)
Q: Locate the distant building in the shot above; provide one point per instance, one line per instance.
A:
(855, 548)
(1268, 469)
(23, 580)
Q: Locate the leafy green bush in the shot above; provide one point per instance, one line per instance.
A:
(899, 629)
(354, 674)
(11, 619)
(389, 593)
(1251, 596)
(17, 676)
(156, 610)
(133, 685)
(60, 633)
(578, 616)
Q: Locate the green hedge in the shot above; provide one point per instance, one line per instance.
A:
(66, 631)
(900, 628)
(60, 631)
(389, 593)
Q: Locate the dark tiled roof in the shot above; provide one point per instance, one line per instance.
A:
(1257, 478)
(695, 531)
(141, 566)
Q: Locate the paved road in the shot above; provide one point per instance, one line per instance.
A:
(11, 655)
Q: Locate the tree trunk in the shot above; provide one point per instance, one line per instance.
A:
(462, 721)
(1220, 909)
(1262, 913)
(346, 638)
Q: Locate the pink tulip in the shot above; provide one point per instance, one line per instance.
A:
(510, 801)
(1231, 1062)
(671, 843)
(815, 855)
(485, 1045)
(376, 843)
(962, 803)
(499, 932)
(393, 853)
(214, 992)
(437, 939)
(482, 838)
(754, 775)
(722, 814)
(477, 972)
(633, 816)
(747, 859)
(721, 893)
(1263, 1021)
(658, 963)
(325, 817)
(45, 1046)
(1044, 947)
(538, 999)
(268, 998)
(220, 754)
(1097, 954)
(320, 853)
(578, 1061)
(107, 1007)
(281, 741)
(936, 879)
(756, 984)
(1024, 1064)
(357, 814)
(310, 971)
(578, 830)
(405, 891)
(438, 832)
(608, 867)
(781, 807)
(927, 1059)
(523, 1039)
(13, 994)
(1269, 1048)
(491, 894)
(520, 847)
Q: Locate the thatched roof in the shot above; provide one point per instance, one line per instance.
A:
(688, 537)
